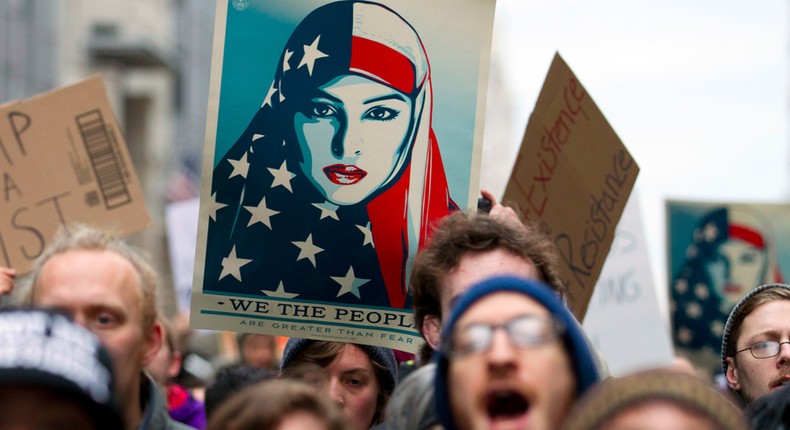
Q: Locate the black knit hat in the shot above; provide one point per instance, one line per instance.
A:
(725, 339)
(46, 349)
(381, 355)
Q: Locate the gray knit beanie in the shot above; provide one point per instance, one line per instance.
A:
(725, 340)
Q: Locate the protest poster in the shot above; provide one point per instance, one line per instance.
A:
(573, 175)
(63, 160)
(623, 319)
(337, 132)
(718, 251)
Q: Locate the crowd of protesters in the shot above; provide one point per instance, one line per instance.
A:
(502, 351)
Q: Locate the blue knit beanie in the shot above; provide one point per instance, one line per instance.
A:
(579, 352)
(379, 354)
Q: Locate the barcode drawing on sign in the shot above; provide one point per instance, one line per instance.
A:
(104, 159)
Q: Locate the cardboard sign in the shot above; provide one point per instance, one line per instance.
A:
(337, 133)
(573, 175)
(63, 160)
(623, 319)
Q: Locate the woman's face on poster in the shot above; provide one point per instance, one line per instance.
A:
(351, 135)
(739, 266)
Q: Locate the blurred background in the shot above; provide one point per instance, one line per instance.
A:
(697, 91)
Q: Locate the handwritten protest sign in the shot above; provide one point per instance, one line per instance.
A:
(332, 144)
(623, 319)
(573, 175)
(63, 159)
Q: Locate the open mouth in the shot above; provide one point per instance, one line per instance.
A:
(342, 174)
(506, 407)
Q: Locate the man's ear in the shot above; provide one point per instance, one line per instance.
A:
(432, 331)
(175, 364)
(153, 341)
(732, 374)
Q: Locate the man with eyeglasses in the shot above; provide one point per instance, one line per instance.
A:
(754, 356)
(512, 357)
(468, 247)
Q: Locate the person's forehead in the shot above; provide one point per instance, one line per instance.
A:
(259, 340)
(768, 316)
(658, 414)
(351, 357)
(79, 258)
(89, 268)
(475, 266)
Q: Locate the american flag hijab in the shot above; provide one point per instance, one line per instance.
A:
(272, 230)
(699, 305)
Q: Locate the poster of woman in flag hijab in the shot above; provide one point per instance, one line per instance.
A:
(338, 132)
(718, 252)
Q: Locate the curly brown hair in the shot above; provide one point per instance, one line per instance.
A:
(461, 233)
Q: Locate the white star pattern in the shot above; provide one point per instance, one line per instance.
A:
(711, 232)
(307, 250)
(328, 210)
(214, 206)
(693, 310)
(349, 283)
(701, 291)
(681, 286)
(286, 59)
(684, 335)
(717, 328)
(282, 177)
(280, 292)
(311, 53)
(256, 136)
(231, 265)
(261, 214)
(268, 99)
(365, 229)
(240, 166)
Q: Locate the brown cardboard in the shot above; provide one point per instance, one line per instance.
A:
(573, 175)
(63, 160)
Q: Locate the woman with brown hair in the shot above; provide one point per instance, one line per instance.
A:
(359, 378)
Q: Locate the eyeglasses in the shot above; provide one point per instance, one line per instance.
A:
(766, 349)
(523, 331)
